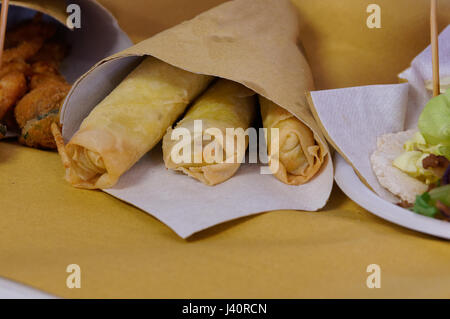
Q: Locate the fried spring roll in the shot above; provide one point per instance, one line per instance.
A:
(299, 156)
(225, 105)
(128, 123)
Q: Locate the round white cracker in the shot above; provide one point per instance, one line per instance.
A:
(389, 147)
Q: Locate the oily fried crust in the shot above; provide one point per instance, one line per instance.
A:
(37, 132)
(389, 147)
(12, 87)
(39, 102)
(31, 29)
(23, 51)
(51, 53)
(38, 109)
(15, 66)
(31, 88)
(46, 74)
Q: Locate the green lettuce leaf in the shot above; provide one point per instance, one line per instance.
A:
(434, 123)
(441, 194)
(423, 206)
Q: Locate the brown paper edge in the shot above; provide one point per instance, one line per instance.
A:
(55, 9)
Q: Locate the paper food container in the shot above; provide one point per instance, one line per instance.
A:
(250, 42)
(99, 35)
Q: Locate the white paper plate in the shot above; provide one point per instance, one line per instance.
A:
(351, 185)
(13, 290)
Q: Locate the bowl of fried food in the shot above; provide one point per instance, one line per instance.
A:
(42, 56)
(31, 87)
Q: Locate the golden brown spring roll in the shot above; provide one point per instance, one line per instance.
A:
(225, 104)
(299, 155)
(128, 123)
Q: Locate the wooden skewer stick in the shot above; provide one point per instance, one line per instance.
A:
(3, 19)
(435, 47)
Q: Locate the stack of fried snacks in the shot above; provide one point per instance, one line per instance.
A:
(141, 110)
(226, 105)
(128, 123)
(299, 156)
(31, 88)
(231, 45)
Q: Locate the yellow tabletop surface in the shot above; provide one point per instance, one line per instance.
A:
(45, 224)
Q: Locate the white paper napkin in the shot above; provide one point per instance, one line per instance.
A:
(188, 206)
(353, 119)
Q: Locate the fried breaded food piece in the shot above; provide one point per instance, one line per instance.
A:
(12, 87)
(40, 101)
(37, 132)
(24, 51)
(45, 74)
(16, 65)
(51, 53)
(31, 29)
(29, 55)
(40, 107)
(37, 111)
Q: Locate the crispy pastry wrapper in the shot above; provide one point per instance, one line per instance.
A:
(224, 105)
(224, 42)
(129, 122)
(252, 42)
(300, 156)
